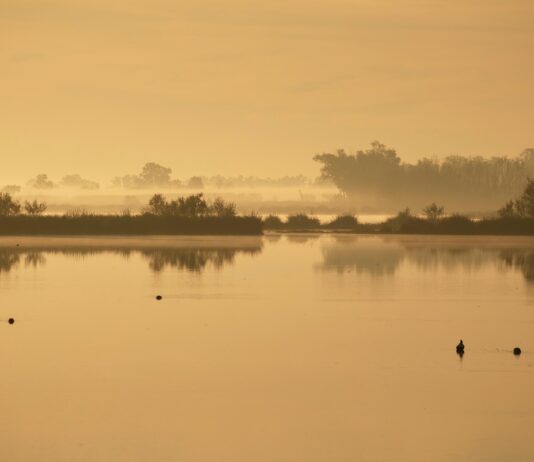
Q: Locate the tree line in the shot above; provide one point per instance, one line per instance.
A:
(377, 177)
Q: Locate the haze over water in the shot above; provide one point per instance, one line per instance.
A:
(275, 348)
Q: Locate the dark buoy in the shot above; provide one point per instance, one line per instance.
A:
(11, 321)
(517, 351)
(460, 348)
(158, 297)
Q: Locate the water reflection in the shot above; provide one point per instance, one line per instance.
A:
(193, 256)
(377, 256)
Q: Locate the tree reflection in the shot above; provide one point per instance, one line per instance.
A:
(184, 259)
(522, 261)
(384, 256)
(8, 260)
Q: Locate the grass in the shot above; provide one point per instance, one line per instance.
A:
(149, 224)
(405, 223)
(146, 224)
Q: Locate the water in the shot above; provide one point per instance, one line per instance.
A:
(281, 348)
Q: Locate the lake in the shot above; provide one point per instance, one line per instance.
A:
(315, 348)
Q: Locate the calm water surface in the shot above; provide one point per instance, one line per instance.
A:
(276, 348)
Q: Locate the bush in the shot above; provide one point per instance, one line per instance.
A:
(433, 212)
(272, 222)
(302, 221)
(343, 222)
(8, 206)
(35, 208)
(220, 208)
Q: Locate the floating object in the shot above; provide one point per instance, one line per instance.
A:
(11, 321)
(517, 351)
(158, 297)
(460, 347)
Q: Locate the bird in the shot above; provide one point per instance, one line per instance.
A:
(460, 347)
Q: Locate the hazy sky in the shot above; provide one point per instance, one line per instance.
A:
(248, 87)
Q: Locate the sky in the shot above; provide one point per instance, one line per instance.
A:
(257, 88)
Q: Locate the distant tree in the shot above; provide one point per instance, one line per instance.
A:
(433, 212)
(35, 208)
(195, 182)
(220, 208)
(508, 210)
(8, 206)
(76, 181)
(155, 175)
(376, 170)
(41, 181)
(129, 182)
(152, 176)
(11, 188)
(525, 204)
(377, 175)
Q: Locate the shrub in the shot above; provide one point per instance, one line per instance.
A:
(433, 212)
(343, 222)
(272, 222)
(8, 206)
(35, 208)
(302, 221)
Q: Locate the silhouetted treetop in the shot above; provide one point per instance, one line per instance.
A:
(41, 181)
(8, 206)
(152, 176)
(76, 181)
(191, 206)
(523, 207)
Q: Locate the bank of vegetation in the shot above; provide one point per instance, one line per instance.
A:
(185, 215)
(516, 217)
(194, 215)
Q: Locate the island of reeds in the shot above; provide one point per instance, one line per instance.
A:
(186, 215)
(192, 215)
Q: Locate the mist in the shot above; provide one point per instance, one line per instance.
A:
(369, 182)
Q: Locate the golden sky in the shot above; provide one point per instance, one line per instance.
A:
(247, 87)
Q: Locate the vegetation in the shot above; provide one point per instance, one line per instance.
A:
(433, 212)
(41, 181)
(302, 221)
(194, 215)
(145, 224)
(195, 182)
(515, 218)
(343, 222)
(8, 206)
(377, 177)
(523, 207)
(76, 181)
(152, 176)
(11, 189)
(190, 206)
(273, 222)
(186, 215)
(34, 208)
